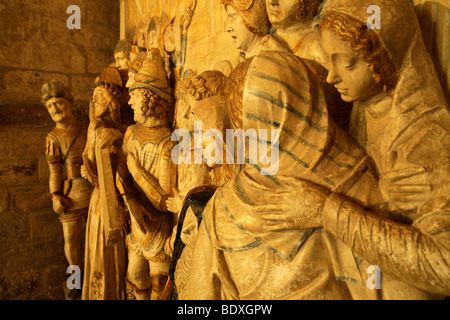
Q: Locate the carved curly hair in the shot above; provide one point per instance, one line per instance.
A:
(366, 44)
(154, 105)
(208, 83)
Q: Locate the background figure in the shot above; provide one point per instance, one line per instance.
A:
(104, 265)
(148, 148)
(401, 118)
(212, 113)
(294, 21)
(122, 54)
(70, 193)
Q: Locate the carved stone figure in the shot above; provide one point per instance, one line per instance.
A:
(122, 54)
(261, 234)
(401, 118)
(212, 113)
(70, 193)
(134, 67)
(293, 22)
(148, 148)
(174, 35)
(105, 255)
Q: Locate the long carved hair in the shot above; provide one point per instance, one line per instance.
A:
(366, 44)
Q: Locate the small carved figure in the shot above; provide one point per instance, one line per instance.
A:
(148, 148)
(175, 42)
(133, 70)
(401, 118)
(105, 254)
(122, 54)
(70, 193)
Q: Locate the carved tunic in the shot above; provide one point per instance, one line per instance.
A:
(153, 147)
(66, 148)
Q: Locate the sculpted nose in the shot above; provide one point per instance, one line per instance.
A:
(332, 77)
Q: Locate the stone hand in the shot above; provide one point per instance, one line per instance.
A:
(174, 203)
(407, 188)
(303, 210)
(59, 203)
(105, 137)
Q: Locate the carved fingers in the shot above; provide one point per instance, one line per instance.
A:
(60, 203)
(105, 137)
(407, 188)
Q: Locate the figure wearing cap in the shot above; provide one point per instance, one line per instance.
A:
(70, 193)
(148, 147)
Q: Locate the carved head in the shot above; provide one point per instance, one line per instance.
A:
(134, 67)
(122, 54)
(212, 112)
(147, 104)
(106, 103)
(252, 12)
(359, 66)
(283, 13)
(208, 83)
(56, 97)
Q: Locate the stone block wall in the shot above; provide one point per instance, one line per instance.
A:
(35, 47)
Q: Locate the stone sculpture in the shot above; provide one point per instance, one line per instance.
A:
(261, 232)
(148, 147)
(122, 54)
(70, 193)
(401, 118)
(293, 22)
(105, 253)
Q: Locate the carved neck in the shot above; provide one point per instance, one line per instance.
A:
(153, 122)
(68, 125)
(294, 32)
(255, 47)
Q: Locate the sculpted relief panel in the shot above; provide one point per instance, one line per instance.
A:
(277, 149)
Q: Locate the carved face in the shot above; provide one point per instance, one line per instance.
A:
(131, 79)
(349, 73)
(59, 109)
(282, 13)
(140, 38)
(152, 40)
(183, 116)
(136, 102)
(169, 39)
(101, 101)
(122, 62)
(237, 29)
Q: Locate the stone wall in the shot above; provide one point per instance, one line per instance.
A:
(36, 46)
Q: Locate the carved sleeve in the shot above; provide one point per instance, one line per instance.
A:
(54, 158)
(419, 258)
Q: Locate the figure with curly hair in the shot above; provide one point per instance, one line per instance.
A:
(400, 117)
(69, 191)
(148, 146)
